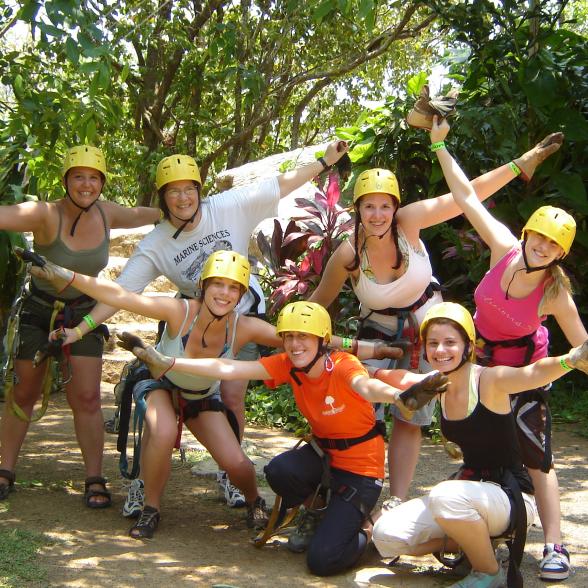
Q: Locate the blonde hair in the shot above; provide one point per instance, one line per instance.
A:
(557, 282)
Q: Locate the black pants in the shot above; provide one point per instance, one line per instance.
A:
(339, 541)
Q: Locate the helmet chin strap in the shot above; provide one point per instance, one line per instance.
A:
(184, 221)
(530, 269)
(82, 210)
(322, 349)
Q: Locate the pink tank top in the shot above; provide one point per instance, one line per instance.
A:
(499, 319)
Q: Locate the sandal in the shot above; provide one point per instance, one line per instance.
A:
(146, 525)
(6, 488)
(90, 493)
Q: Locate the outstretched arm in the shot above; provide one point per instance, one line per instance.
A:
(222, 369)
(291, 180)
(508, 380)
(496, 235)
(160, 308)
(124, 217)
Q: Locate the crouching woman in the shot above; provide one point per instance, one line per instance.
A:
(334, 392)
(492, 493)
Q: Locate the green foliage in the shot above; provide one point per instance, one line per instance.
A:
(19, 564)
(274, 408)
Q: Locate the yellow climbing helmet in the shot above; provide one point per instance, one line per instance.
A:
(458, 314)
(84, 156)
(555, 224)
(227, 264)
(174, 168)
(376, 180)
(305, 317)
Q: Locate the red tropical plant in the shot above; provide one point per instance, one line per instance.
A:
(295, 257)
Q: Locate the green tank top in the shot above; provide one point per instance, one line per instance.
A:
(87, 261)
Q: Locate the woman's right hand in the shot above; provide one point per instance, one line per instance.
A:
(439, 130)
(58, 276)
(67, 336)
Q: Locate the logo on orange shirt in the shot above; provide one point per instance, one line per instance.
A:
(330, 401)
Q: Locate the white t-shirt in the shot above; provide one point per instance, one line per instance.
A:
(227, 221)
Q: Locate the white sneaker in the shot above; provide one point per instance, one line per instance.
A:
(231, 494)
(133, 505)
(555, 564)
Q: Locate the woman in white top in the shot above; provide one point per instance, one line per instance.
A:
(391, 275)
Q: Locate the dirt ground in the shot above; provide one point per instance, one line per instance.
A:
(201, 542)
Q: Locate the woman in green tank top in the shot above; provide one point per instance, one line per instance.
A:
(73, 231)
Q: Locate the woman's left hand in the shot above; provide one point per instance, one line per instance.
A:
(439, 129)
(578, 357)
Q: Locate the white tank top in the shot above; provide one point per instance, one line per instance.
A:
(175, 348)
(400, 293)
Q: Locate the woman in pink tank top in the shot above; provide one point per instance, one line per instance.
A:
(524, 285)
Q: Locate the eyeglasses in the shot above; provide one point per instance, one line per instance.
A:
(189, 192)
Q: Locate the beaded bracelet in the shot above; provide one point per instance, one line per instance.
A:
(438, 145)
(90, 321)
(78, 332)
(564, 364)
(322, 161)
(516, 170)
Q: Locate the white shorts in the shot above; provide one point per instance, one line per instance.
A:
(412, 523)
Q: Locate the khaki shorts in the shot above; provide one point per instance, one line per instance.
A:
(35, 319)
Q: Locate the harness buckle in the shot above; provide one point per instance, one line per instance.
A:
(347, 492)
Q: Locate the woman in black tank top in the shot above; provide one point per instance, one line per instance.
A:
(476, 415)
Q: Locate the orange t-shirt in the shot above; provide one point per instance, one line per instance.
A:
(334, 410)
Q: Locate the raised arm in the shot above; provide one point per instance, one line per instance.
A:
(426, 213)
(496, 235)
(291, 180)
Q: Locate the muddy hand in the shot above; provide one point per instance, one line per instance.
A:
(384, 351)
(30, 256)
(422, 393)
(58, 276)
(53, 348)
(157, 363)
(578, 357)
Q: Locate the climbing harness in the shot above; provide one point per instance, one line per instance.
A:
(52, 354)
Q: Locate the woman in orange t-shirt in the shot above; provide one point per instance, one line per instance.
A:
(335, 393)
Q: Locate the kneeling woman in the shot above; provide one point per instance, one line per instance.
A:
(334, 392)
(492, 493)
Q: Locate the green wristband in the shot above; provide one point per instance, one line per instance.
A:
(564, 364)
(438, 145)
(90, 321)
(346, 343)
(516, 170)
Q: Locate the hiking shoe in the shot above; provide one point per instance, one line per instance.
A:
(231, 494)
(257, 514)
(425, 108)
(391, 503)
(300, 538)
(146, 525)
(135, 499)
(480, 580)
(555, 564)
